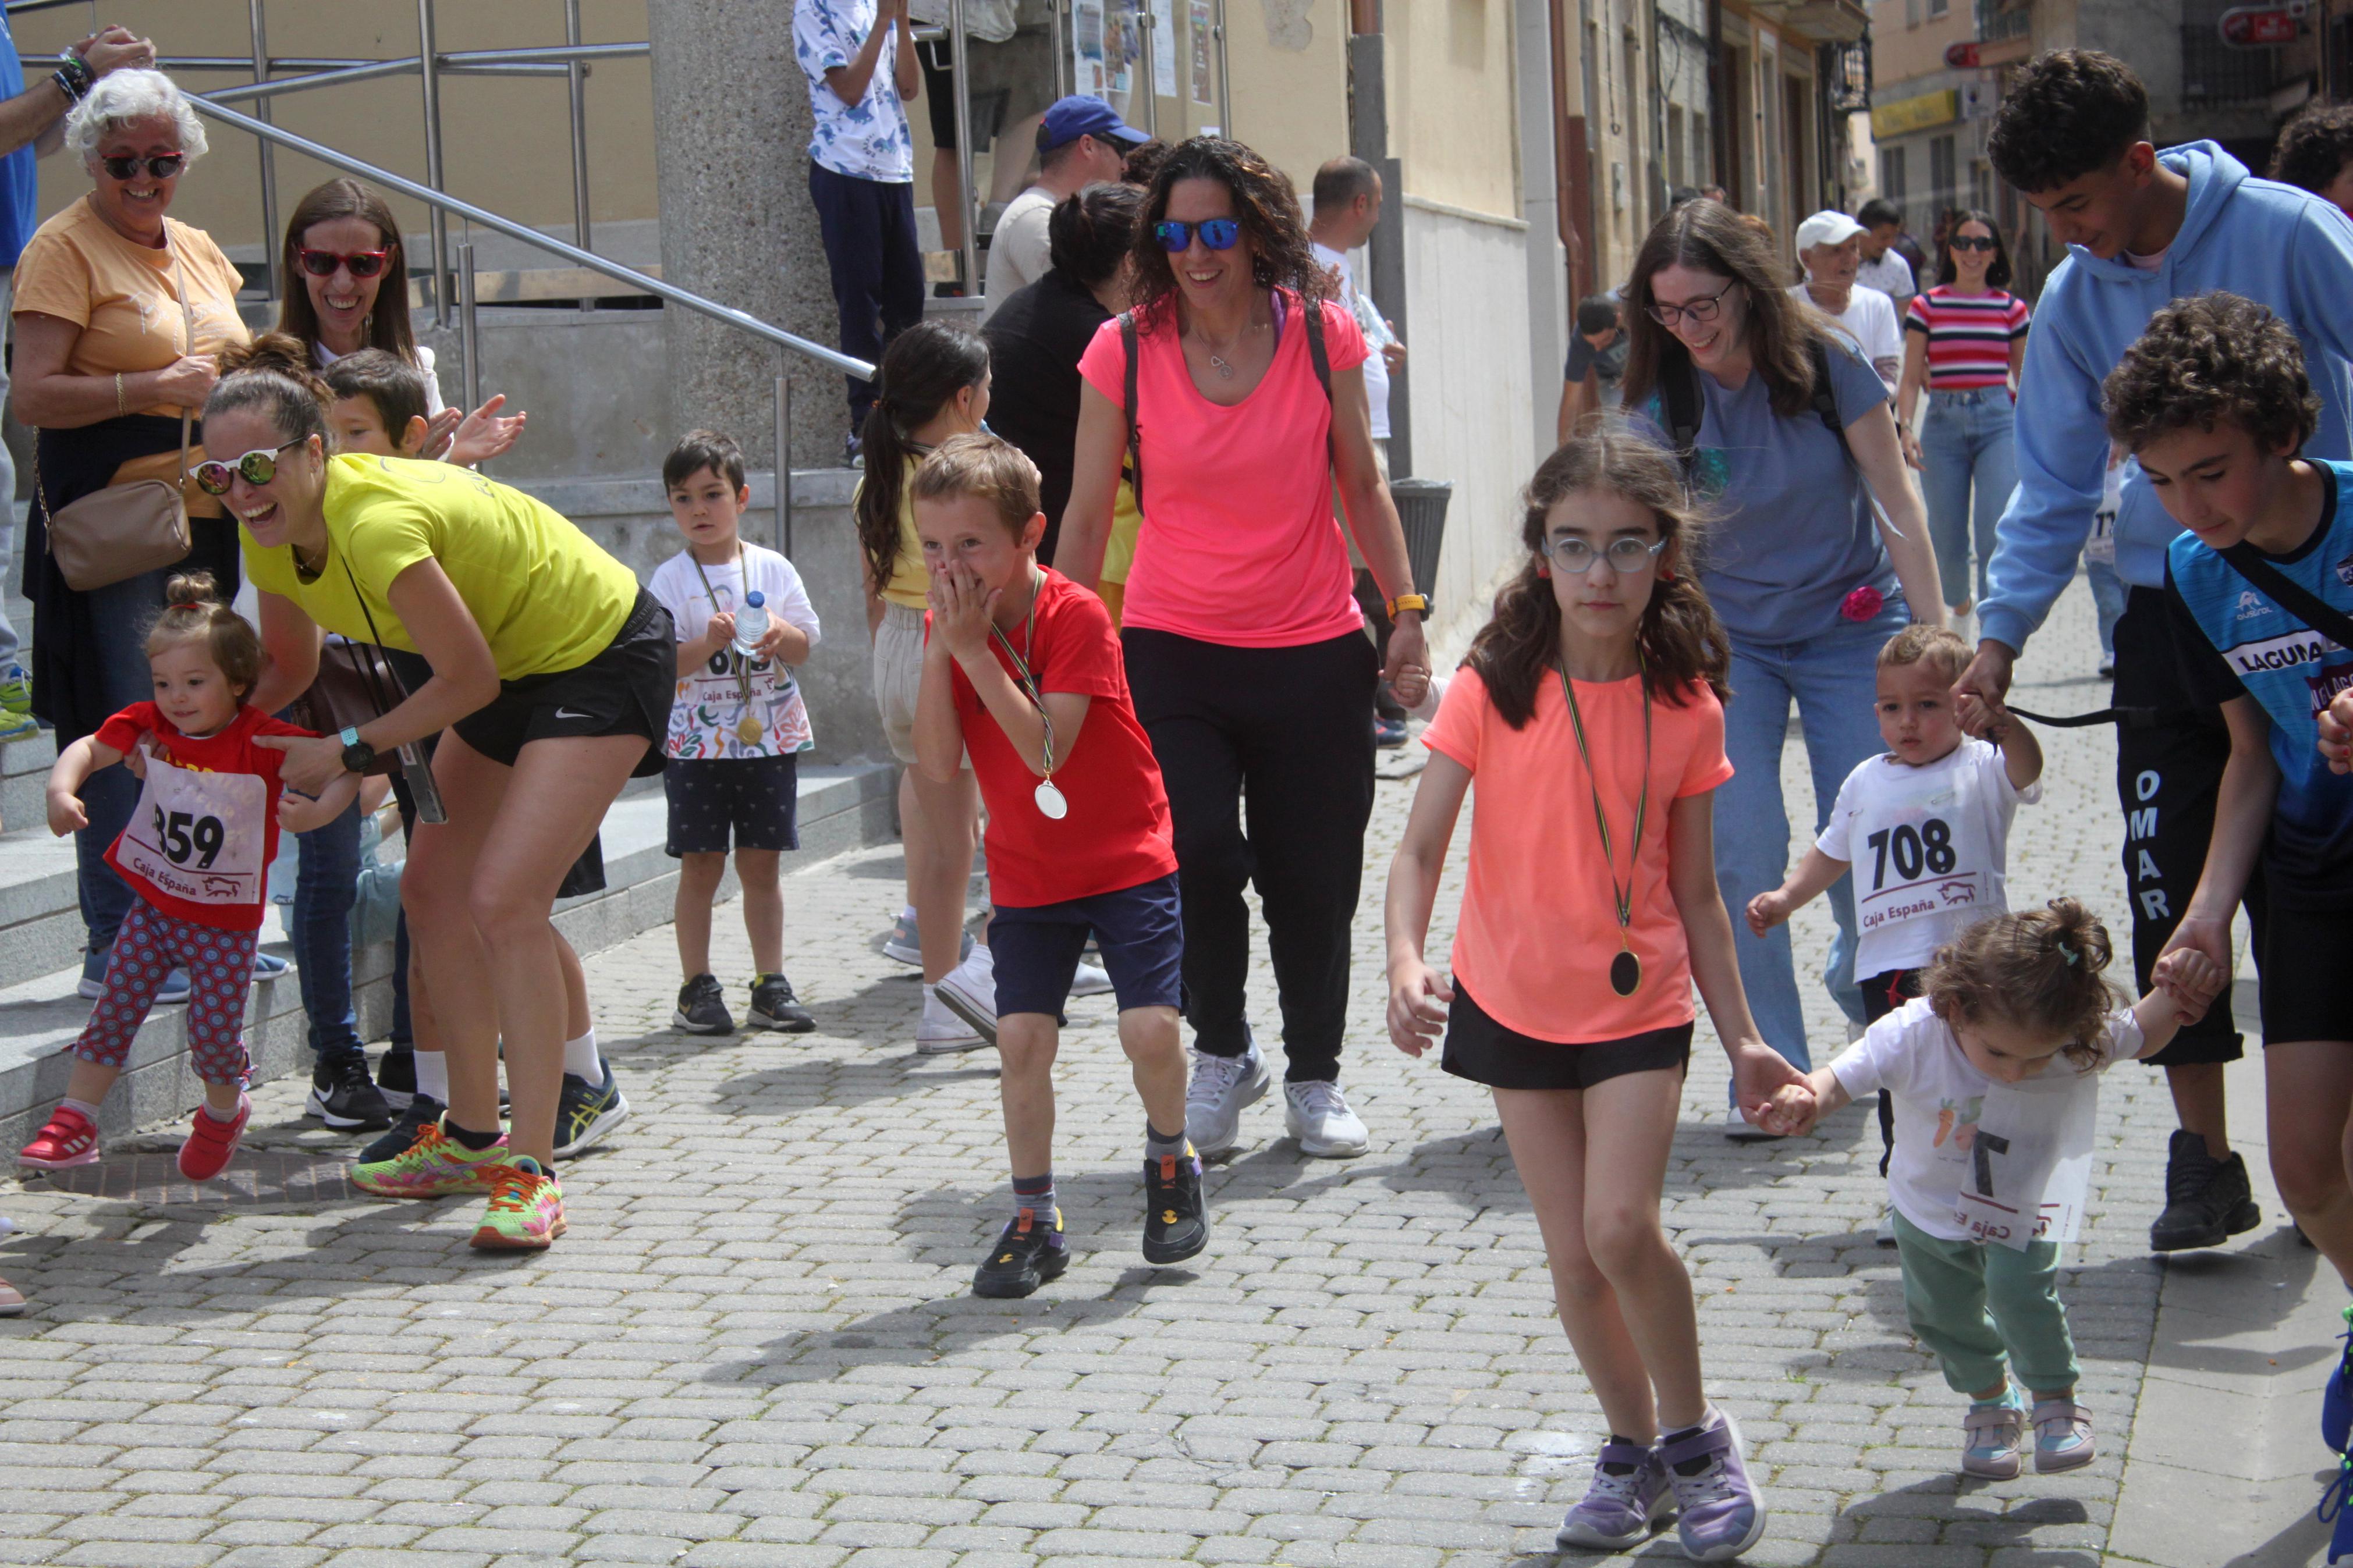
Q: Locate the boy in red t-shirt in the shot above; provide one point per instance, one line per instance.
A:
(197, 853)
(1022, 670)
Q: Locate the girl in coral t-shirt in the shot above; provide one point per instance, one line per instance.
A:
(1588, 712)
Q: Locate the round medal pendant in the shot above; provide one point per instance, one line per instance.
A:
(749, 730)
(1051, 802)
(1625, 973)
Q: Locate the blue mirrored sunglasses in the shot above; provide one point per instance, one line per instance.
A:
(1217, 233)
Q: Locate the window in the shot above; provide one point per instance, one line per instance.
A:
(1890, 175)
(1980, 186)
(1702, 157)
(1942, 184)
(1675, 144)
(1938, 7)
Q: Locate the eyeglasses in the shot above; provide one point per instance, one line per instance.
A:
(1696, 311)
(164, 167)
(1973, 242)
(1626, 554)
(259, 467)
(359, 263)
(1217, 233)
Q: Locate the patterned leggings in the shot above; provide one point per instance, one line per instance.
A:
(220, 977)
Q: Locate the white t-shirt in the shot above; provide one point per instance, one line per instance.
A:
(1929, 845)
(709, 701)
(1891, 275)
(1019, 250)
(867, 139)
(423, 361)
(1975, 1158)
(1377, 332)
(1869, 323)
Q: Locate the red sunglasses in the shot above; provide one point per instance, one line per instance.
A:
(360, 263)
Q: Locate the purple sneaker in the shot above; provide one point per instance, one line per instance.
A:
(2062, 1436)
(1722, 1511)
(1620, 1510)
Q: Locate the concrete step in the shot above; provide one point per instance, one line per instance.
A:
(24, 782)
(841, 808)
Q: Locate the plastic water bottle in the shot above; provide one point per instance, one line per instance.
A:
(750, 622)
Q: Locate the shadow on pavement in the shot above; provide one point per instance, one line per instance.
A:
(2008, 1532)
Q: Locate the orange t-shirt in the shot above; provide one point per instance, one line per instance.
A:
(1539, 921)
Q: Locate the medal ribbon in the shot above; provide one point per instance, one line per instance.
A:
(1623, 896)
(748, 728)
(1028, 682)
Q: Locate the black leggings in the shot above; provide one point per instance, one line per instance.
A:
(1287, 733)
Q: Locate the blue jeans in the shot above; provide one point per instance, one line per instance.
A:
(1832, 680)
(1966, 440)
(9, 641)
(2109, 598)
(122, 612)
(326, 884)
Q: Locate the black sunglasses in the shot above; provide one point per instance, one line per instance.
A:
(163, 166)
(1974, 242)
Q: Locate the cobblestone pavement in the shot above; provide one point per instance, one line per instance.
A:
(755, 1345)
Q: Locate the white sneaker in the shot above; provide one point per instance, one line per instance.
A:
(1885, 1234)
(1222, 1087)
(1740, 1129)
(1091, 979)
(941, 1032)
(1317, 1114)
(969, 990)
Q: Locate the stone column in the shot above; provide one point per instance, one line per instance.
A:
(731, 161)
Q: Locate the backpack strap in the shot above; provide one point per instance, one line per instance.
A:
(1134, 440)
(1311, 317)
(2289, 594)
(1681, 400)
(1825, 397)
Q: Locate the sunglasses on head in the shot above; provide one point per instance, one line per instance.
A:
(358, 263)
(259, 467)
(164, 167)
(1216, 234)
(1972, 242)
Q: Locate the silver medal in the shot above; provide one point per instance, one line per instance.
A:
(1051, 802)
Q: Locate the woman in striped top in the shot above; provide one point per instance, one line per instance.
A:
(1964, 341)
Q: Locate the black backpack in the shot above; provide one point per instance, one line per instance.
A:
(1311, 317)
(1686, 406)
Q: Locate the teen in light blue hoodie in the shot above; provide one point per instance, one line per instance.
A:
(2143, 227)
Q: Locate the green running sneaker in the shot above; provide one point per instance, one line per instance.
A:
(526, 1212)
(16, 690)
(433, 1166)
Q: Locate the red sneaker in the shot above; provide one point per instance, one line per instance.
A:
(66, 1140)
(210, 1143)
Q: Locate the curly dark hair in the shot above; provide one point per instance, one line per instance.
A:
(2314, 147)
(1997, 273)
(1281, 255)
(2070, 112)
(1679, 636)
(2038, 970)
(2215, 357)
(1710, 237)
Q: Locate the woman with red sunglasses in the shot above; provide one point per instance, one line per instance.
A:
(119, 311)
(347, 289)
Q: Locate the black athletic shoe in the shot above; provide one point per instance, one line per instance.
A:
(2207, 1201)
(344, 1095)
(396, 1078)
(423, 1111)
(588, 1112)
(702, 1008)
(774, 1007)
(1025, 1257)
(1175, 1212)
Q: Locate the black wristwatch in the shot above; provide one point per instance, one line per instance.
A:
(358, 755)
(73, 75)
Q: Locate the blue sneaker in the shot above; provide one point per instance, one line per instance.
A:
(2337, 1399)
(92, 984)
(2332, 1510)
(1722, 1511)
(266, 967)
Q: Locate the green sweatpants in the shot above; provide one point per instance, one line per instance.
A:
(1974, 1302)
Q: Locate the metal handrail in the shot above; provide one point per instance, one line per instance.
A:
(446, 203)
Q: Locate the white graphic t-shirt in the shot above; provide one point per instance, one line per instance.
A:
(1977, 1159)
(709, 705)
(867, 139)
(1929, 845)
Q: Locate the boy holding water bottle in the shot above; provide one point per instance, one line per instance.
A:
(736, 729)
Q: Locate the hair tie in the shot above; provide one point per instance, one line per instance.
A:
(2069, 953)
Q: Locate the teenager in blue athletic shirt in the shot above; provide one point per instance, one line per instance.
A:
(2143, 227)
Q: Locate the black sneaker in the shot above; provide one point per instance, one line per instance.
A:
(588, 1112)
(344, 1095)
(395, 1077)
(2207, 1200)
(702, 1008)
(1025, 1257)
(774, 1007)
(422, 1111)
(1175, 1212)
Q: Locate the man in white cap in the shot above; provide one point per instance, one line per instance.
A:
(1830, 246)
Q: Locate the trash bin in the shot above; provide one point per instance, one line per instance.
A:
(1421, 506)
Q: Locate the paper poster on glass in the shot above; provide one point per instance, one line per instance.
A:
(1164, 48)
(1089, 74)
(1197, 31)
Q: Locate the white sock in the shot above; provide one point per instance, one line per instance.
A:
(580, 1058)
(84, 1106)
(981, 957)
(908, 914)
(433, 1076)
(207, 1109)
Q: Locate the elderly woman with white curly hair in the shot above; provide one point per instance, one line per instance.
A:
(119, 311)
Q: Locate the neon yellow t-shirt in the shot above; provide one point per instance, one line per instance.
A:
(1126, 522)
(909, 584)
(545, 597)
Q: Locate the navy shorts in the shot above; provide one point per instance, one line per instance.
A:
(753, 800)
(1138, 929)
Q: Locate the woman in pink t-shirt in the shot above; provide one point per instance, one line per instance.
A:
(1246, 653)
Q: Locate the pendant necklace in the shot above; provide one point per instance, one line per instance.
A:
(1626, 969)
(1052, 802)
(748, 728)
(1218, 362)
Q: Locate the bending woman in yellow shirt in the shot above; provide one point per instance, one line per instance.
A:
(552, 674)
